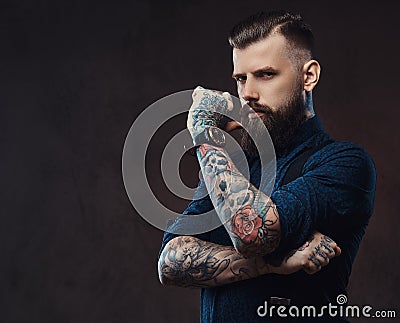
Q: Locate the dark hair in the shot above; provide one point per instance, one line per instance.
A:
(263, 24)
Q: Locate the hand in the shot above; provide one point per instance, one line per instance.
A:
(202, 111)
(311, 257)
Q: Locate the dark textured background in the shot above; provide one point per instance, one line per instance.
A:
(75, 74)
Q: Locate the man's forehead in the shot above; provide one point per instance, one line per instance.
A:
(269, 51)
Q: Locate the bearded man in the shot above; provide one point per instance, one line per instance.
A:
(263, 252)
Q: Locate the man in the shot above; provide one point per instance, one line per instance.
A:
(332, 193)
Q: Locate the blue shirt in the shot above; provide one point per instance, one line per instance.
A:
(334, 195)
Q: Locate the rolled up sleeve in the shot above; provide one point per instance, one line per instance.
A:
(334, 192)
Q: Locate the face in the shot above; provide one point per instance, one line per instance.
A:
(272, 86)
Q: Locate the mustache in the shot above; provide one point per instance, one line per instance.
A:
(256, 107)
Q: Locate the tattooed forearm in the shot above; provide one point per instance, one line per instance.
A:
(249, 216)
(189, 262)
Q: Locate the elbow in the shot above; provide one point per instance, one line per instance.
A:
(161, 272)
(165, 267)
(172, 271)
(243, 249)
(161, 277)
(262, 236)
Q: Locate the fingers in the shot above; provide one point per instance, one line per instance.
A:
(329, 246)
(316, 260)
(228, 99)
(312, 265)
(321, 256)
(321, 253)
(196, 91)
(199, 89)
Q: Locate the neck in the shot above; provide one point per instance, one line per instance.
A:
(309, 106)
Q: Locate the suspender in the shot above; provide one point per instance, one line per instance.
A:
(295, 168)
(287, 282)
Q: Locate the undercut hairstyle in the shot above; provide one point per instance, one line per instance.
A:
(298, 34)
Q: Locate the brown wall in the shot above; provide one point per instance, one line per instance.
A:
(75, 74)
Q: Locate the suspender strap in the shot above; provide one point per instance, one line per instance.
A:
(295, 168)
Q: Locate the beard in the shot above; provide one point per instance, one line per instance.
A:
(281, 123)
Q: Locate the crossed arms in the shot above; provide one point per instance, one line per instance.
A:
(254, 230)
(190, 262)
(250, 218)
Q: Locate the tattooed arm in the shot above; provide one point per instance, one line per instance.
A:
(250, 217)
(190, 262)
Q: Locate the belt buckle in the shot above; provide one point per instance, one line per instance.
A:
(279, 301)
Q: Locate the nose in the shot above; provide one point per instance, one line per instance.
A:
(249, 91)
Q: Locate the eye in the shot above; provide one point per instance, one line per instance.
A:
(240, 79)
(267, 74)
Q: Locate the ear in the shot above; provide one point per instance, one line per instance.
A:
(311, 72)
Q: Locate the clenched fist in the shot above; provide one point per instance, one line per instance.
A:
(204, 110)
(311, 257)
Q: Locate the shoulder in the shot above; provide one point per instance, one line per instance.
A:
(343, 151)
(345, 159)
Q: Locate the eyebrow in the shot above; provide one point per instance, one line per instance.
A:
(258, 71)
